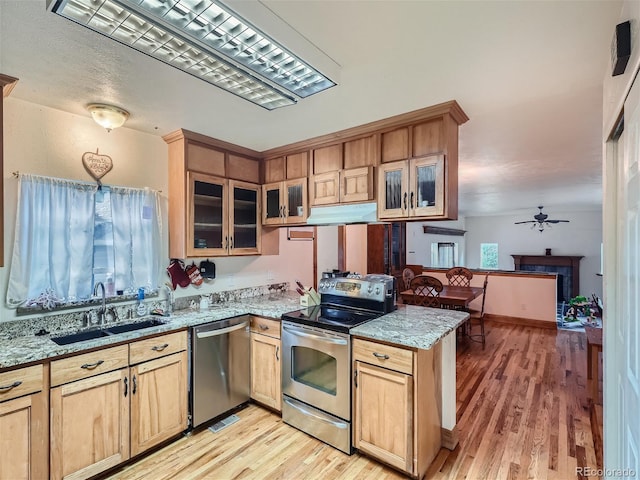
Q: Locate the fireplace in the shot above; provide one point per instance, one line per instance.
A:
(567, 268)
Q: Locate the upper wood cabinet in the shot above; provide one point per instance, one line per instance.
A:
(285, 202)
(224, 217)
(412, 188)
(286, 167)
(361, 152)
(214, 197)
(6, 85)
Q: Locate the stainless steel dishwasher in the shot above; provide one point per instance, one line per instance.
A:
(221, 368)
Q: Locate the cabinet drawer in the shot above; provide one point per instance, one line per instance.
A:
(265, 326)
(88, 364)
(156, 347)
(387, 356)
(20, 382)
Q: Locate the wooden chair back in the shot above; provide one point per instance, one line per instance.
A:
(459, 276)
(484, 294)
(407, 275)
(426, 291)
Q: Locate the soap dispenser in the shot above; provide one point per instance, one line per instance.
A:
(141, 309)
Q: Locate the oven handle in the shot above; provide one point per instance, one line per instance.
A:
(318, 336)
(342, 425)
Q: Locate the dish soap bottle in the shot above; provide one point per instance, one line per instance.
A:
(141, 309)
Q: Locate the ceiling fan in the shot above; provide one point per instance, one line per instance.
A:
(541, 220)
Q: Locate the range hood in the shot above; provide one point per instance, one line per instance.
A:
(343, 214)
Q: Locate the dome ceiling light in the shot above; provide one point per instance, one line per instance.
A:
(108, 116)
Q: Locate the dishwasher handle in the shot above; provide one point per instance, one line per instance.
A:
(222, 331)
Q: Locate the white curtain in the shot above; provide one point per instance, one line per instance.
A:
(53, 253)
(136, 238)
(53, 247)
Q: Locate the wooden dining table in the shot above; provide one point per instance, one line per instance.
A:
(450, 296)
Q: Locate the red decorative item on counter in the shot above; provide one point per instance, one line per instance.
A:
(177, 274)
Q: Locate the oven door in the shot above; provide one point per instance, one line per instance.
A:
(316, 368)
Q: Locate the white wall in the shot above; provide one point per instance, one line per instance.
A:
(582, 236)
(356, 249)
(327, 237)
(419, 243)
(45, 141)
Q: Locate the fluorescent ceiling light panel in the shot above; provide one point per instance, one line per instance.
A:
(205, 39)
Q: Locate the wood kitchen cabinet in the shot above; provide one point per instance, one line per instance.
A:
(266, 376)
(285, 202)
(89, 413)
(224, 217)
(412, 188)
(103, 412)
(344, 186)
(158, 390)
(214, 197)
(395, 404)
(286, 167)
(24, 424)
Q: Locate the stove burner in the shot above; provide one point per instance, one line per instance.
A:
(331, 317)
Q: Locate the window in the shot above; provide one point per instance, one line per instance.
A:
(70, 235)
(489, 255)
(444, 254)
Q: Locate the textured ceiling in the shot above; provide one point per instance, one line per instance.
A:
(528, 75)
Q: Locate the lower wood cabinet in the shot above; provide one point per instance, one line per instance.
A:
(158, 401)
(100, 418)
(396, 405)
(266, 376)
(24, 424)
(89, 425)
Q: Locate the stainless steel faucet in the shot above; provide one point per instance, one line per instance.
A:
(103, 307)
(170, 299)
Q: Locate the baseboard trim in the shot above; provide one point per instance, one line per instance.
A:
(449, 438)
(526, 322)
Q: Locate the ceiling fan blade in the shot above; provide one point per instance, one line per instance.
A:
(557, 221)
(526, 221)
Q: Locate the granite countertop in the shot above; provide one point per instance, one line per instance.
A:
(412, 326)
(409, 326)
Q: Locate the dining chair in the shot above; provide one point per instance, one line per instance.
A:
(459, 276)
(426, 291)
(478, 316)
(407, 275)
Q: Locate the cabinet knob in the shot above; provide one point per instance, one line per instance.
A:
(411, 201)
(405, 200)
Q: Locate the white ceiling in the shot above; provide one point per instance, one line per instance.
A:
(527, 73)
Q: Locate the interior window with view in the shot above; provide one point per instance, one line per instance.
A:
(489, 255)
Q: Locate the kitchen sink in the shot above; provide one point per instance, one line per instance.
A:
(79, 337)
(114, 330)
(130, 327)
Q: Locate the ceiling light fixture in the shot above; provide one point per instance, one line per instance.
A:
(108, 116)
(541, 220)
(206, 39)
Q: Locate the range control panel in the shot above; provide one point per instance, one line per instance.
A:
(369, 287)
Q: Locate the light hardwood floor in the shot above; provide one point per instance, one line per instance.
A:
(523, 412)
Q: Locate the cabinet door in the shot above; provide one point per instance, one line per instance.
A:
(23, 438)
(295, 210)
(383, 416)
(158, 401)
(325, 188)
(360, 152)
(89, 425)
(244, 218)
(426, 196)
(208, 216)
(356, 184)
(327, 159)
(272, 203)
(394, 145)
(393, 190)
(265, 371)
(274, 170)
(297, 165)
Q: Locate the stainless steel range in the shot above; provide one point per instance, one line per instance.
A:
(316, 355)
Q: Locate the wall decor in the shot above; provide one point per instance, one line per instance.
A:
(97, 165)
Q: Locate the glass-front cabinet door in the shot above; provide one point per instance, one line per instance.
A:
(296, 200)
(244, 218)
(393, 190)
(208, 215)
(273, 203)
(426, 196)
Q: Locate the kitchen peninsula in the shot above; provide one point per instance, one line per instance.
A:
(426, 334)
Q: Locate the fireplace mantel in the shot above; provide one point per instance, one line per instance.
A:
(572, 261)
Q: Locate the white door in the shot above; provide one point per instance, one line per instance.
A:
(622, 306)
